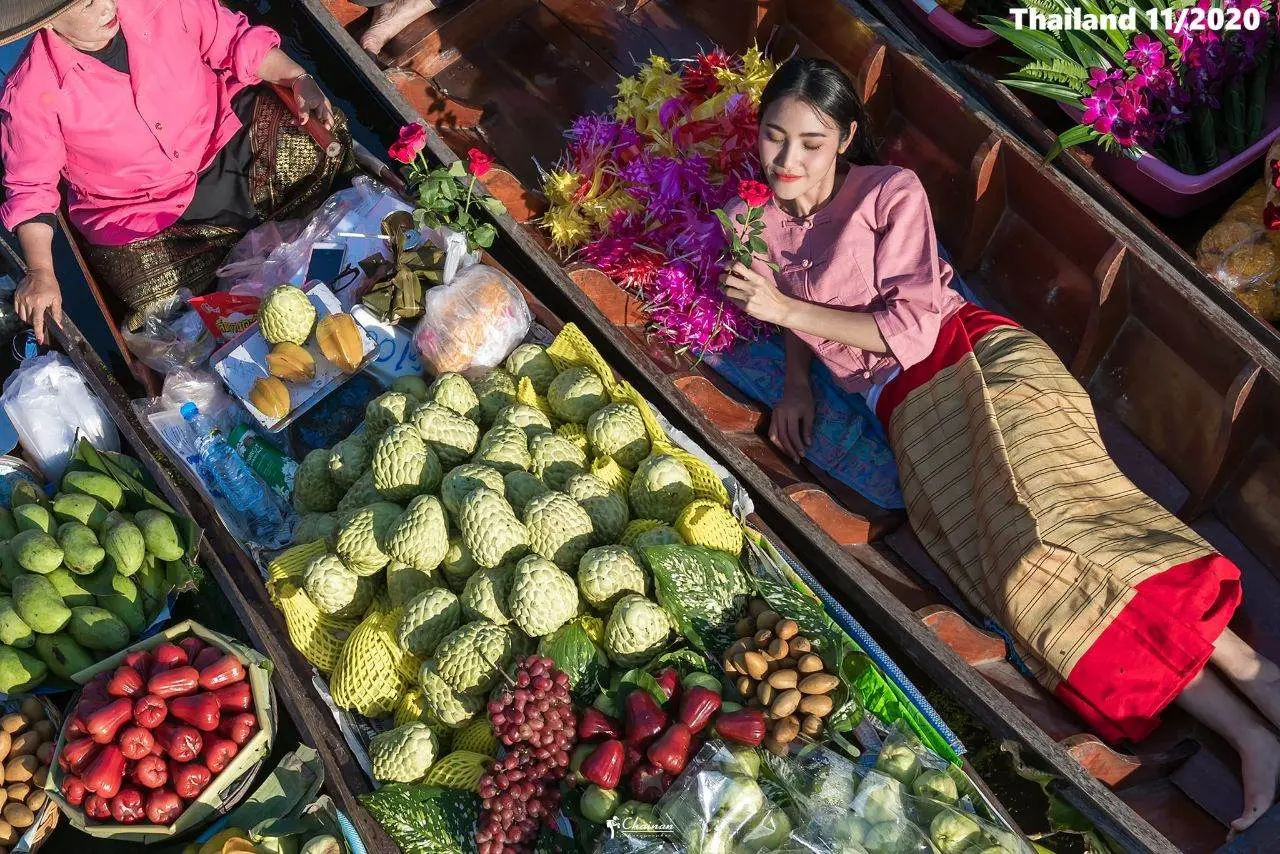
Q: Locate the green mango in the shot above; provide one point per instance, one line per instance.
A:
(9, 568)
(160, 534)
(71, 587)
(26, 492)
(13, 631)
(124, 543)
(19, 671)
(38, 604)
(151, 582)
(80, 549)
(36, 551)
(100, 486)
(34, 517)
(85, 509)
(97, 628)
(126, 603)
(8, 527)
(64, 656)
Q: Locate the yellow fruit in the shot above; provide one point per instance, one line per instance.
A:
(270, 397)
(214, 844)
(705, 523)
(291, 363)
(341, 341)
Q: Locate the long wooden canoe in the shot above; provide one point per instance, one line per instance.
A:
(1183, 389)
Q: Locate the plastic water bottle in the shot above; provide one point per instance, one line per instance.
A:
(249, 497)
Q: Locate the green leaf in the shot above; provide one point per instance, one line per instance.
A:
(740, 219)
(1053, 91)
(1036, 44)
(484, 235)
(426, 819)
(493, 206)
(699, 588)
(1077, 135)
(457, 169)
(757, 245)
(724, 220)
(573, 651)
(685, 661)
(638, 680)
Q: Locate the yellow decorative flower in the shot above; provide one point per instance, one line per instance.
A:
(561, 185)
(601, 210)
(569, 228)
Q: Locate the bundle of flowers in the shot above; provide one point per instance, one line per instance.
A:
(636, 193)
(1162, 81)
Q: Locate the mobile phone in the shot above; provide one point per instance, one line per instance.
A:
(326, 263)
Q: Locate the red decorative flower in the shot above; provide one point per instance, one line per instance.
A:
(1271, 216)
(412, 139)
(1275, 174)
(754, 193)
(478, 162)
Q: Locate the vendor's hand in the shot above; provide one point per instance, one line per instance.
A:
(755, 294)
(791, 426)
(39, 299)
(312, 102)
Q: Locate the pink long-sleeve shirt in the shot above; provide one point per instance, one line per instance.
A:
(128, 146)
(872, 250)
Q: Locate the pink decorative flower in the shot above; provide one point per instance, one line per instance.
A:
(478, 162)
(754, 193)
(412, 139)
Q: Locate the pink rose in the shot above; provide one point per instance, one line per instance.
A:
(754, 193)
(478, 162)
(412, 139)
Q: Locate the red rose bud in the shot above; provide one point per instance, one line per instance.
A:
(218, 753)
(150, 711)
(189, 780)
(164, 806)
(104, 773)
(648, 783)
(150, 772)
(239, 728)
(671, 751)
(126, 807)
(226, 670)
(170, 655)
(97, 807)
(595, 723)
(201, 711)
(136, 742)
(644, 716)
(745, 726)
(140, 660)
(478, 162)
(72, 789)
(106, 722)
(77, 754)
(207, 656)
(237, 697)
(669, 680)
(181, 743)
(604, 766)
(174, 683)
(125, 682)
(697, 706)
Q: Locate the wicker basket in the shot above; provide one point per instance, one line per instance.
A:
(42, 828)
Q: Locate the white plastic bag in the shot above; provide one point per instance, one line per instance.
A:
(172, 336)
(456, 256)
(472, 323)
(49, 403)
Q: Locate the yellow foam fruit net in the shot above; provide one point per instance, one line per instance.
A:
(461, 769)
(293, 561)
(525, 394)
(317, 636)
(575, 434)
(614, 476)
(477, 737)
(367, 678)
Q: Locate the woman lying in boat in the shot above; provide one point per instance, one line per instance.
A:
(150, 111)
(1117, 606)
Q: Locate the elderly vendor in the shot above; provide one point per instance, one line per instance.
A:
(150, 112)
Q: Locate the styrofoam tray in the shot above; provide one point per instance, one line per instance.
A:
(243, 360)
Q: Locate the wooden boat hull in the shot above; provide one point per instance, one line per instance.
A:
(1188, 423)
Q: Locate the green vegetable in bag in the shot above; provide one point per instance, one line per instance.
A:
(702, 590)
(426, 819)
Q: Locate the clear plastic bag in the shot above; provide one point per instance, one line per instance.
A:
(1242, 253)
(49, 404)
(172, 336)
(473, 323)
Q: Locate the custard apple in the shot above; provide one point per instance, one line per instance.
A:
(606, 508)
(404, 582)
(491, 530)
(315, 526)
(558, 529)
(466, 479)
(555, 459)
(453, 391)
(505, 448)
(403, 466)
(494, 390)
(470, 658)
(384, 411)
(485, 595)
(458, 565)
(362, 537)
(706, 523)
(646, 533)
(426, 619)
(532, 421)
(286, 315)
(348, 460)
(523, 487)
(313, 490)
(660, 489)
(335, 589)
(637, 630)
(575, 394)
(451, 708)
(607, 573)
(360, 494)
(412, 385)
(532, 361)
(618, 431)
(404, 754)
(420, 537)
(450, 435)
(543, 597)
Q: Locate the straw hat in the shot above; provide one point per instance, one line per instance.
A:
(20, 18)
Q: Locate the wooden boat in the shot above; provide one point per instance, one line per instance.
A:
(1186, 392)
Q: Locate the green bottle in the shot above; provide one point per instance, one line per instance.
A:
(265, 459)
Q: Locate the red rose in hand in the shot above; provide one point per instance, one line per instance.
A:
(1275, 174)
(478, 162)
(1271, 216)
(754, 193)
(412, 139)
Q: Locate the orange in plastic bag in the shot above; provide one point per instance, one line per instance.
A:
(472, 323)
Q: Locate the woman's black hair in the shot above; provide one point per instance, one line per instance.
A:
(822, 85)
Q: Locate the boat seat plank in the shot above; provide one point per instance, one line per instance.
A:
(1187, 827)
(616, 37)
(1258, 839)
(437, 38)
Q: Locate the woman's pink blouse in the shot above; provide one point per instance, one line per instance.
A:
(872, 249)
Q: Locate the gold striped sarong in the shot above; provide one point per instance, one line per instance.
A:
(1113, 602)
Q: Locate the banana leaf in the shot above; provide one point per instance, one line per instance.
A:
(398, 287)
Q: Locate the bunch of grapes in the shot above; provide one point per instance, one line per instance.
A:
(535, 720)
